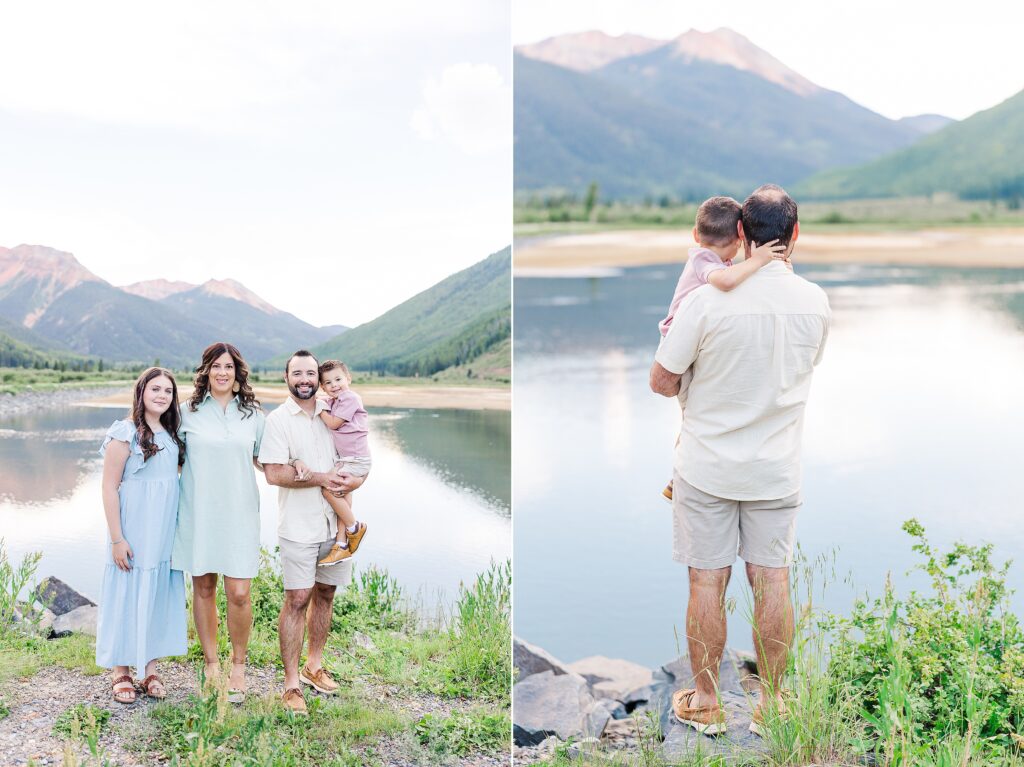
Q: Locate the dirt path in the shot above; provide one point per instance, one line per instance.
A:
(35, 703)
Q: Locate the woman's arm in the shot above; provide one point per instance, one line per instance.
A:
(114, 460)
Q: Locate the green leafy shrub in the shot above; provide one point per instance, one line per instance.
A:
(465, 732)
(939, 668)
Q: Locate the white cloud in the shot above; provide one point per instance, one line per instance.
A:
(470, 105)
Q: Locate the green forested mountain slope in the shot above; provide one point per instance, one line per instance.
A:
(451, 323)
(980, 157)
(658, 123)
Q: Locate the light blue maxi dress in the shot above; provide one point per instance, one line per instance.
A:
(142, 611)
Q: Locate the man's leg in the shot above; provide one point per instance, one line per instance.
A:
(318, 621)
(291, 626)
(706, 630)
(773, 624)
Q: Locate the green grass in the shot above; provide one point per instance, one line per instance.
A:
(18, 380)
(465, 733)
(464, 658)
(71, 720)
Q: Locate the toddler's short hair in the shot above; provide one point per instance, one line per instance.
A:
(334, 365)
(716, 220)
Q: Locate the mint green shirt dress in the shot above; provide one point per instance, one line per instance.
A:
(219, 508)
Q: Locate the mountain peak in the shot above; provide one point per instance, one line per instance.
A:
(728, 47)
(40, 274)
(238, 292)
(586, 51)
(156, 290)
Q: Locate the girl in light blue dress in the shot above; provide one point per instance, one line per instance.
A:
(142, 603)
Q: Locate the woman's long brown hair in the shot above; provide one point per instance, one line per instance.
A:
(247, 401)
(170, 419)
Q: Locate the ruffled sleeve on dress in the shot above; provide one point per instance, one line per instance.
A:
(124, 431)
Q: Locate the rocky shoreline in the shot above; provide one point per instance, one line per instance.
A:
(27, 401)
(601, 704)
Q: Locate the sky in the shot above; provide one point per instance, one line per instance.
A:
(899, 58)
(336, 158)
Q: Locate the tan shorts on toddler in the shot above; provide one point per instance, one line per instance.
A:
(353, 465)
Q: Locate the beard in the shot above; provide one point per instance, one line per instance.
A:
(310, 390)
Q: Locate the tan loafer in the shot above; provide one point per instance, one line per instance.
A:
(667, 492)
(707, 720)
(319, 680)
(294, 702)
(354, 539)
(335, 555)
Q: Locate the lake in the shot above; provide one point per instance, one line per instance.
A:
(437, 502)
(915, 411)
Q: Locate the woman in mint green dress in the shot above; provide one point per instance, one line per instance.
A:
(218, 514)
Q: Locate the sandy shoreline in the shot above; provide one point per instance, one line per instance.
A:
(412, 396)
(990, 248)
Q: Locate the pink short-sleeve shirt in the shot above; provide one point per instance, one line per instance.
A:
(351, 438)
(699, 266)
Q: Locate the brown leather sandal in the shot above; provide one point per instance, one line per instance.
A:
(146, 686)
(125, 695)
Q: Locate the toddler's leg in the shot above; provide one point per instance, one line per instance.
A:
(343, 510)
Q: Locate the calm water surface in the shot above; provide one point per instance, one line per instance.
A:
(437, 502)
(916, 411)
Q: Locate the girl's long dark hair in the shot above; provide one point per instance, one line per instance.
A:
(170, 419)
(247, 401)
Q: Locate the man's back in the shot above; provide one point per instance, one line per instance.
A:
(752, 351)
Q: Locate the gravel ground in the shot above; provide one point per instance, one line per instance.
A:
(35, 703)
(13, 404)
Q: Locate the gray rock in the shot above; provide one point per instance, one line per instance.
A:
(359, 639)
(546, 704)
(529, 659)
(611, 677)
(81, 619)
(615, 708)
(679, 674)
(59, 597)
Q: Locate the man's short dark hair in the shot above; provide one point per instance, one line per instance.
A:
(300, 353)
(769, 214)
(716, 221)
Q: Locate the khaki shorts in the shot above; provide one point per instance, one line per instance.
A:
(353, 465)
(299, 570)
(708, 532)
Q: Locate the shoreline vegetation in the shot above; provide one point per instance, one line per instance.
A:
(928, 678)
(23, 389)
(566, 233)
(418, 686)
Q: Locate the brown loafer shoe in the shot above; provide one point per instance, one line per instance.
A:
(707, 720)
(294, 702)
(319, 680)
(354, 539)
(335, 555)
